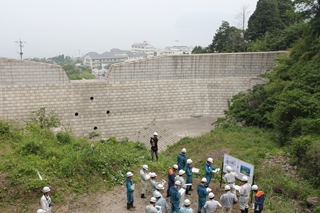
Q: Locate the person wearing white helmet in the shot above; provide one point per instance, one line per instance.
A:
(171, 177)
(160, 189)
(212, 205)
(182, 159)
(202, 194)
(45, 200)
(182, 185)
(209, 168)
(189, 176)
(153, 182)
(244, 195)
(175, 197)
(227, 200)
(151, 207)
(144, 178)
(130, 190)
(229, 178)
(154, 145)
(186, 207)
(40, 211)
(258, 199)
(161, 202)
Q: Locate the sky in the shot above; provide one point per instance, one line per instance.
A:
(75, 27)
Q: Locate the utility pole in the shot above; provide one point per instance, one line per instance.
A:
(20, 45)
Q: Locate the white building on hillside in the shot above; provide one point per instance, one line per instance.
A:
(96, 60)
(144, 47)
(177, 50)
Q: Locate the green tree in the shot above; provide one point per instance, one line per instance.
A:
(199, 49)
(266, 18)
(227, 39)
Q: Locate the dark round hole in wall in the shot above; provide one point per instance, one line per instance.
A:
(95, 128)
(76, 114)
(108, 112)
(91, 98)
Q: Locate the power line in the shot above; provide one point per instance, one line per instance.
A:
(20, 45)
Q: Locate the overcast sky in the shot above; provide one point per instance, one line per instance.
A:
(75, 27)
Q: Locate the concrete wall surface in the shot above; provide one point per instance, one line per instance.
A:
(23, 72)
(134, 93)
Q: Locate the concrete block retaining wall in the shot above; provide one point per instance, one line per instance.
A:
(134, 93)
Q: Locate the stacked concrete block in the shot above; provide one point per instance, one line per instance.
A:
(134, 94)
(13, 72)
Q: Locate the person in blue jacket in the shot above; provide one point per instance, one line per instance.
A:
(189, 176)
(209, 168)
(182, 160)
(258, 199)
(175, 197)
(202, 194)
(130, 190)
(171, 177)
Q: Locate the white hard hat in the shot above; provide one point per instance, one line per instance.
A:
(160, 186)
(153, 200)
(40, 211)
(175, 166)
(155, 133)
(184, 150)
(186, 202)
(189, 161)
(244, 179)
(46, 189)
(211, 195)
(153, 174)
(181, 172)
(145, 167)
(210, 160)
(227, 187)
(157, 194)
(204, 180)
(177, 183)
(228, 168)
(129, 174)
(254, 187)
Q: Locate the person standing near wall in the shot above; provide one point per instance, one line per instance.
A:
(171, 177)
(244, 195)
(182, 160)
(144, 178)
(45, 200)
(202, 194)
(189, 176)
(209, 168)
(130, 191)
(258, 199)
(154, 145)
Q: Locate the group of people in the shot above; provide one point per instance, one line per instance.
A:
(178, 187)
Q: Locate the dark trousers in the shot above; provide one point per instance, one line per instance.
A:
(154, 153)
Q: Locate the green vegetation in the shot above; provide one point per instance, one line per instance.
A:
(69, 164)
(69, 66)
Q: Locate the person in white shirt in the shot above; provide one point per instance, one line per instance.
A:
(183, 185)
(227, 200)
(144, 178)
(45, 201)
(151, 207)
(230, 178)
(161, 202)
(244, 195)
(212, 205)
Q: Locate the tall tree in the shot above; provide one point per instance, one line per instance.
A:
(226, 39)
(266, 18)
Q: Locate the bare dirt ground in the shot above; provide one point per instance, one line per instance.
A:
(115, 201)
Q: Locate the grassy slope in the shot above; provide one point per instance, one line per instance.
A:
(75, 166)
